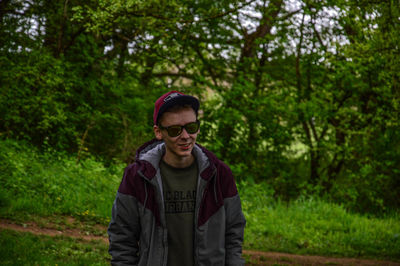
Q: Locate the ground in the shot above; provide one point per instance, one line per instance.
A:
(71, 227)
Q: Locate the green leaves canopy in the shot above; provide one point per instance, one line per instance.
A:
(301, 94)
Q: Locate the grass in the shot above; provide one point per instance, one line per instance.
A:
(312, 226)
(52, 183)
(34, 185)
(27, 249)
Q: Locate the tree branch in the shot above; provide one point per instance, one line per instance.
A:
(308, 134)
(189, 21)
(182, 75)
(207, 65)
(263, 29)
(173, 74)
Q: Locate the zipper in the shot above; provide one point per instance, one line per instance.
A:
(162, 214)
(197, 211)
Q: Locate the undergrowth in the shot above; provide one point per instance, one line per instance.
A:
(54, 183)
(35, 184)
(312, 226)
(27, 249)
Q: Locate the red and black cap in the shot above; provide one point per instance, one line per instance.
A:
(171, 99)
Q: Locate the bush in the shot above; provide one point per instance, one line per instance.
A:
(54, 183)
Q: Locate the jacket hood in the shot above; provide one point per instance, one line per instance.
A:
(148, 156)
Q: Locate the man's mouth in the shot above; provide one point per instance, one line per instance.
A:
(185, 146)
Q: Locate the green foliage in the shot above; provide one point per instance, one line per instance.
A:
(36, 185)
(54, 183)
(304, 97)
(27, 249)
(312, 226)
(59, 90)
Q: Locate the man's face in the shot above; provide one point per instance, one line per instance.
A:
(179, 147)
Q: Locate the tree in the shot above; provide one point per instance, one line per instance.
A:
(303, 95)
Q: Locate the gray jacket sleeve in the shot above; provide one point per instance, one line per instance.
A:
(124, 231)
(235, 224)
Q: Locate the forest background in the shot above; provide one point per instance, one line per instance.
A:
(303, 96)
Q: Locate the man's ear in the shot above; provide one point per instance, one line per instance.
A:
(157, 132)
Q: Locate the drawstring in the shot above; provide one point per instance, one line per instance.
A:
(145, 198)
(215, 189)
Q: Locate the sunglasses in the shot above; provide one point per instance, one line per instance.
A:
(174, 131)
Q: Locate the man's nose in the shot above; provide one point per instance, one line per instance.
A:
(184, 134)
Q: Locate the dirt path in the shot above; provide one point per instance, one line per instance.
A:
(255, 257)
(52, 230)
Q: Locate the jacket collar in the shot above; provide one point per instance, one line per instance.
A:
(148, 156)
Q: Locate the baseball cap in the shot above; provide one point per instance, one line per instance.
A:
(173, 98)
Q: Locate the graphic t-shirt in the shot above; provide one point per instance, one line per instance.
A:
(179, 188)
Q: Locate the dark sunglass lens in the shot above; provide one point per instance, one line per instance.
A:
(174, 131)
(192, 128)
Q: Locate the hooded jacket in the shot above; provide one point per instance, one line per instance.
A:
(138, 232)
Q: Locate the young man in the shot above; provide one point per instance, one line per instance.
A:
(177, 204)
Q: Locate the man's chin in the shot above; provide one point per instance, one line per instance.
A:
(186, 153)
